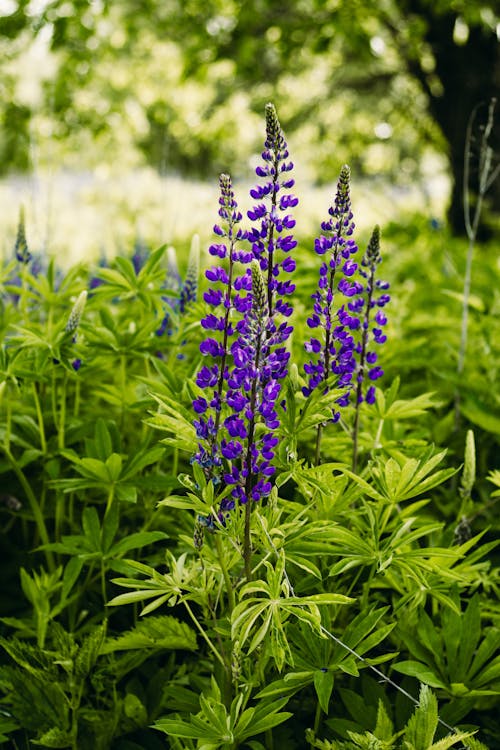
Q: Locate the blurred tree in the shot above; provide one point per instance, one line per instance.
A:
(415, 67)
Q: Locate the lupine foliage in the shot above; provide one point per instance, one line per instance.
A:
(306, 521)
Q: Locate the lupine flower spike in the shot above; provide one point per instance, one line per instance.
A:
(21, 251)
(374, 296)
(332, 348)
(237, 424)
(172, 282)
(268, 238)
(227, 298)
(76, 313)
(74, 321)
(189, 289)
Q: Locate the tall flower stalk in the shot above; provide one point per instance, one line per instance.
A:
(372, 331)
(237, 415)
(332, 348)
(271, 244)
(488, 172)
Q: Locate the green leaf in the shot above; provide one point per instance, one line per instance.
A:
(267, 715)
(110, 526)
(155, 633)
(184, 729)
(92, 528)
(409, 408)
(70, 576)
(135, 541)
(102, 440)
(88, 652)
(421, 671)
(114, 467)
(55, 738)
(422, 725)
(481, 414)
(323, 684)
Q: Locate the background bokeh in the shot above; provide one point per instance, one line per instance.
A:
(116, 118)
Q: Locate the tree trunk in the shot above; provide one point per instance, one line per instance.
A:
(469, 74)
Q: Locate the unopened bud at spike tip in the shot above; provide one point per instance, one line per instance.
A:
(21, 250)
(76, 312)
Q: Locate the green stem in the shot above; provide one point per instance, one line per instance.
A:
(59, 515)
(103, 583)
(111, 497)
(76, 403)
(39, 415)
(317, 719)
(317, 451)
(204, 635)
(123, 384)
(34, 505)
(61, 436)
(8, 423)
(225, 573)
(247, 542)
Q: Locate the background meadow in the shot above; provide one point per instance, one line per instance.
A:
(355, 603)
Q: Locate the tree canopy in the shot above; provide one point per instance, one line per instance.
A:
(374, 83)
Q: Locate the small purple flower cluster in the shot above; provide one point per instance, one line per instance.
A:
(187, 289)
(374, 296)
(237, 415)
(336, 349)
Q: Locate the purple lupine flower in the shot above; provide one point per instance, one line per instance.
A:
(139, 256)
(95, 281)
(270, 236)
(372, 326)
(21, 251)
(223, 301)
(173, 281)
(187, 289)
(333, 343)
(260, 362)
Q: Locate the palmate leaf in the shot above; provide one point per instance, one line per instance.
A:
(38, 702)
(7, 725)
(421, 728)
(88, 652)
(455, 656)
(155, 633)
(216, 728)
(176, 421)
(481, 413)
(55, 738)
(396, 481)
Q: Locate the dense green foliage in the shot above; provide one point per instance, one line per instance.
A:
(363, 584)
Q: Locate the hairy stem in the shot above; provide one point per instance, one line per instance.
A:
(204, 635)
(225, 573)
